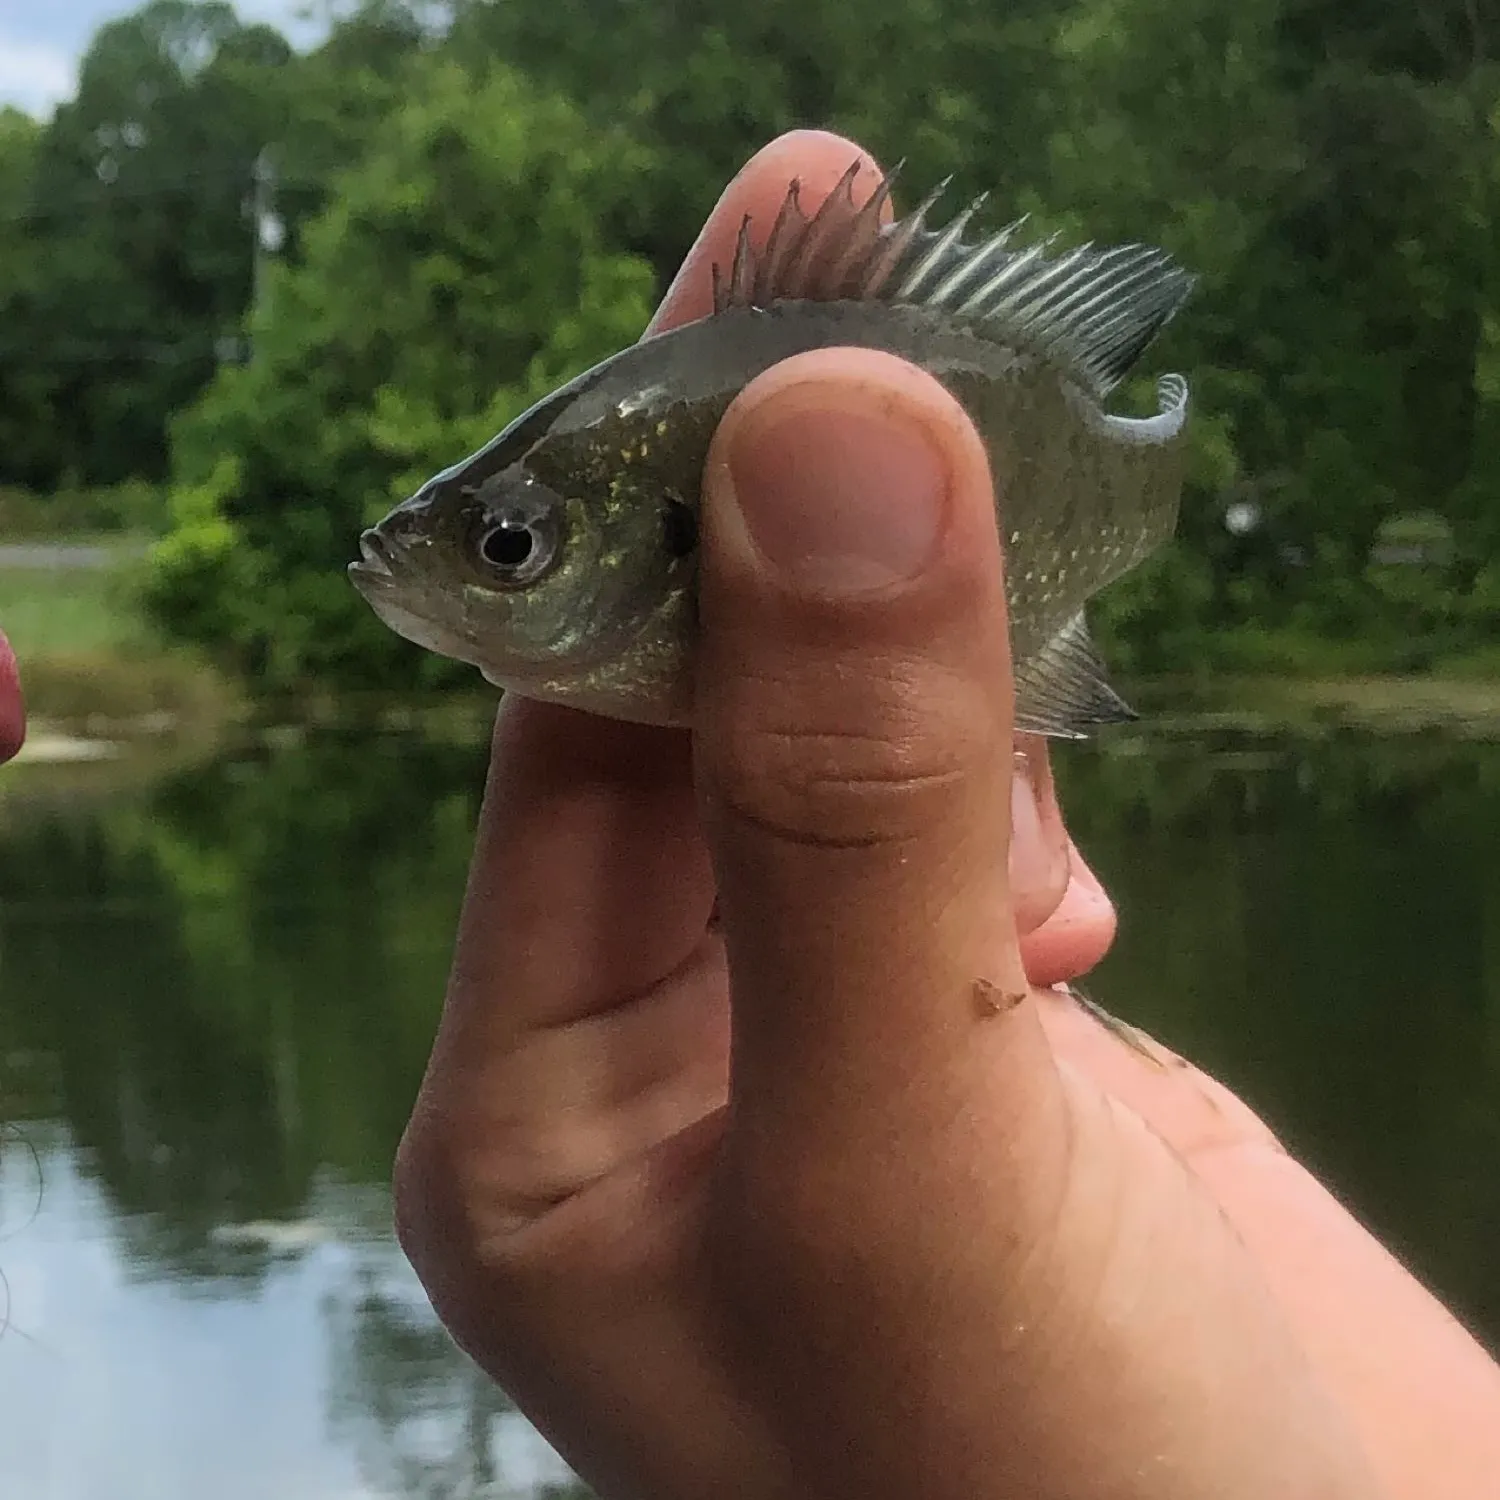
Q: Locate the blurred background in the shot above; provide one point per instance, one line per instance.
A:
(263, 270)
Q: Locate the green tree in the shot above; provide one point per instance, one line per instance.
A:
(137, 220)
(1329, 170)
(340, 92)
(25, 440)
(962, 87)
(1332, 172)
(458, 273)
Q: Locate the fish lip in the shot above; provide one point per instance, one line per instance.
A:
(377, 564)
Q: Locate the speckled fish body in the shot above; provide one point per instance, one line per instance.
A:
(561, 558)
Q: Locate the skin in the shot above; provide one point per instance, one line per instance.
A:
(12, 711)
(928, 1236)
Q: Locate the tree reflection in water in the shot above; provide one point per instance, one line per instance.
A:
(425, 1422)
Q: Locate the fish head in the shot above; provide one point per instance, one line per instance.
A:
(509, 574)
(560, 561)
(477, 570)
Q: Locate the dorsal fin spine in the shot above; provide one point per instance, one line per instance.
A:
(1042, 292)
(990, 262)
(935, 254)
(776, 241)
(968, 266)
(896, 241)
(741, 279)
(1140, 275)
(998, 274)
(1006, 274)
(822, 223)
(867, 219)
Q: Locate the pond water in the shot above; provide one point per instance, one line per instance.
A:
(218, 985)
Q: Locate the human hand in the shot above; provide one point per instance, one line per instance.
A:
(12, 710)
(934, 1232)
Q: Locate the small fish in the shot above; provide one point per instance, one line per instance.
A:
(561, 558)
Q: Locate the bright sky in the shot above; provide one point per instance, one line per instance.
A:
(42, 41)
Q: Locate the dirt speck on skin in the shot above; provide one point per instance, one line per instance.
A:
(990, 1000)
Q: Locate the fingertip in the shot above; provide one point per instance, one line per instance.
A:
(1078, 933)
(816, 159)
(837, 592)
(886, 379)
(842, 470)
(1039, 844)
(12, 707)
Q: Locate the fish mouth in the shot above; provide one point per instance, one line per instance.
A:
(396, 589)
(395, 577)
(378, 562)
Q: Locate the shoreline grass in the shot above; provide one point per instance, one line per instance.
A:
(48, 612)
(90, 664)
(88, 660)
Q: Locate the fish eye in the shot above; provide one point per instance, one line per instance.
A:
(508, 545)
(518, 542)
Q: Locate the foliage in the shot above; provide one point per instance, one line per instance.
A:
(1346, 243)
(139, 253)
(468, 198)
(936, 83)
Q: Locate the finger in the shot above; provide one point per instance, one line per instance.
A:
(1041, 854)
(588, 881)
(12, 709)
(1075, 933)
(818, 160)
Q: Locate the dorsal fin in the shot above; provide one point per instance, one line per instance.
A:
(1092, 310)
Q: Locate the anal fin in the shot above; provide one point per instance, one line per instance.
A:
(1064, 691)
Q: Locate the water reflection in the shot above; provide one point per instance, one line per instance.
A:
(218, 995)
(305, 1362)
(423, 1421)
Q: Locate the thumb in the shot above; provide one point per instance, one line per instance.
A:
(918, 1208)
(853, 744)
